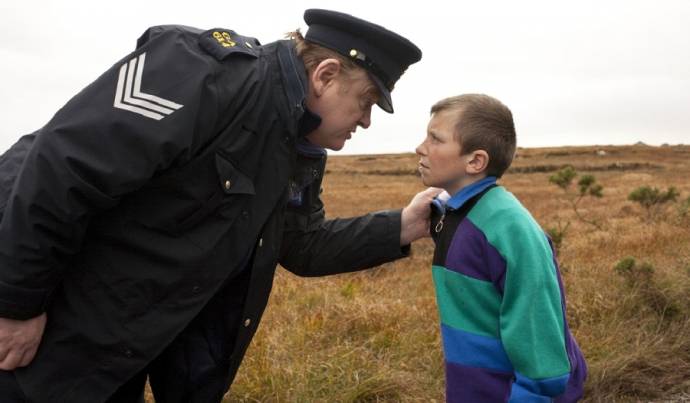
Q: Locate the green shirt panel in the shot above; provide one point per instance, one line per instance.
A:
(467, 303)
(531, 312)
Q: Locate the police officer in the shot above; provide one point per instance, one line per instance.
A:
(144, 222)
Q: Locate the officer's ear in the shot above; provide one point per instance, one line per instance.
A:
(324, 74)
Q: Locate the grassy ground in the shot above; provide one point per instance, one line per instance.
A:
(373, 336)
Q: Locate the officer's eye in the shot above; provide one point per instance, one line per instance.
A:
(367, 103)
(369, 97)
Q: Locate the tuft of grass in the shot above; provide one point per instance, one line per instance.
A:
(650, 367)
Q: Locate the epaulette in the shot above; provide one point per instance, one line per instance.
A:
(221, 43)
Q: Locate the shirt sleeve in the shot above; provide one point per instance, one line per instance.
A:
(531, 317)
(146, 113)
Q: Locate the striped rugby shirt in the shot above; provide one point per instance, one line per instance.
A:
(501, 302)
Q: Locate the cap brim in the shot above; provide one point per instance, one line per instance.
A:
(385, 102)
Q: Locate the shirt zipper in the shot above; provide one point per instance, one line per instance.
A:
(439, 225)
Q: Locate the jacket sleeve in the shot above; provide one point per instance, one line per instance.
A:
(314, 246)
(10, 164)
(148, 112)
(532, 319)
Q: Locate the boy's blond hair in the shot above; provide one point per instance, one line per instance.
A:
(482, 123)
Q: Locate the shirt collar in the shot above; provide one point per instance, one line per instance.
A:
(469, 191)
(304, 147)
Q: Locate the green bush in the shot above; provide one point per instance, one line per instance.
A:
(587, 186)
(639, 278)
(634, 273)
(625, 265)
(653, 199)
(564, 177)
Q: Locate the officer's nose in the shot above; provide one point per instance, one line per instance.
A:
(365, 120)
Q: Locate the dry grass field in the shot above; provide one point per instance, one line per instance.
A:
(373, 336)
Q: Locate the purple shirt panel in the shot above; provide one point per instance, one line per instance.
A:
(485, 386)
(471, 254)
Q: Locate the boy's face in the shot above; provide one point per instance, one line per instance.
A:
(440, 161)
(343, 103)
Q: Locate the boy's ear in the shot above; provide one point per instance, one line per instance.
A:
(323, 75)
(478, 162)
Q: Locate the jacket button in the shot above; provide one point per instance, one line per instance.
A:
(245, 214)
(128, 353)
(227, 184)
(261, 242)
(196, 289)
(247, 322)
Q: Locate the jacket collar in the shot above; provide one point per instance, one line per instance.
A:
(294, 75)
(296, 85)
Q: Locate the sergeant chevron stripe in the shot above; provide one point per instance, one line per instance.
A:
(128, 95)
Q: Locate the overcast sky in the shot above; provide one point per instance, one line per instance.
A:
(573, 73)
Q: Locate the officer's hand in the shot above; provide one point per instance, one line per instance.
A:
(19, 340)
(415, 217)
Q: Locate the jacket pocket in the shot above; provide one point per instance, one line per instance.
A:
(232, 181)
(233, 185)
(181, 201)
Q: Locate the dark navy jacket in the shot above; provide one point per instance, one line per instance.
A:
(158, 184)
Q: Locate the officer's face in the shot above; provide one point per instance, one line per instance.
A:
(344, 101)
(440, 161)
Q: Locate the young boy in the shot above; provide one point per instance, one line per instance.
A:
(499, 292)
